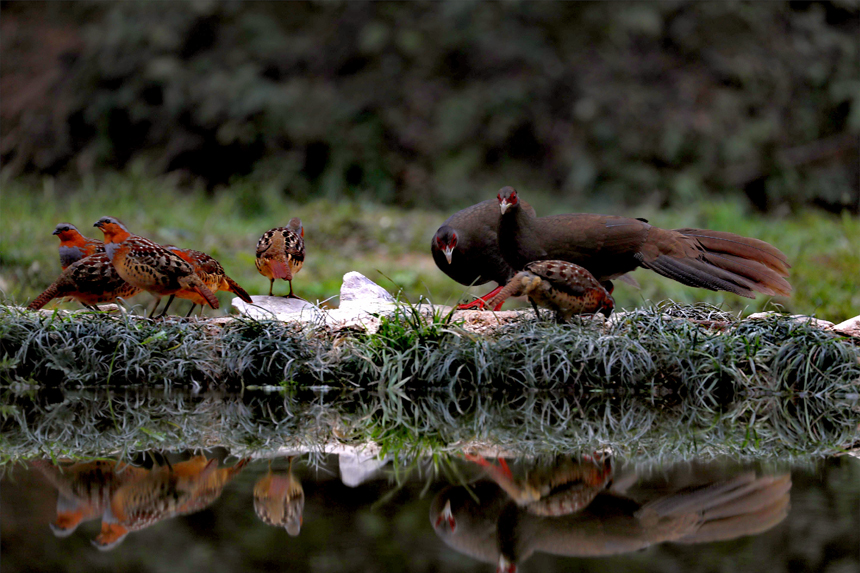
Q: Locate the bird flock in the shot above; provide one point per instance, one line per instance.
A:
(124, 264)
(562, 262)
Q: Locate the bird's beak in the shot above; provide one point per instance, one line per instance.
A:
(449, 251)
(503, 205)
(56, 232)
(506, 566)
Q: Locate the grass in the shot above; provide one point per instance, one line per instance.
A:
(383, 242)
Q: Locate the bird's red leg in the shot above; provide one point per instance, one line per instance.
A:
(481, 301)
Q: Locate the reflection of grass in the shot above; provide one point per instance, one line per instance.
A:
(353, 235)
(81, 424)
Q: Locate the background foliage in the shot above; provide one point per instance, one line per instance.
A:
(444, 102)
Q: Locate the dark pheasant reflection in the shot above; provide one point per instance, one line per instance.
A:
(578, 507)
(279, 500)
(129, 498)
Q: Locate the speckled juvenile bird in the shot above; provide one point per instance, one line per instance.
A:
(149, 266)
(91, 281)
(279, 500)
(281, 253)
(74, 246)
(564, 287)
(210, 272)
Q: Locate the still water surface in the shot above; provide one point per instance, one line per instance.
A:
(315, 512)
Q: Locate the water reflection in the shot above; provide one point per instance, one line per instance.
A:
(580, 507)
(319, 512)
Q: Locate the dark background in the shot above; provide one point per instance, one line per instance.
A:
(431, 103)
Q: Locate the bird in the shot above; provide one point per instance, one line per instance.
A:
(279, 500)
(164, 492)
(580, 507)
(466, 248)
(149, 266)
(281, 253)
(564, 287)
(74, 246)
(609, 246)
(210, 272)
(91, 281)
(84, 489)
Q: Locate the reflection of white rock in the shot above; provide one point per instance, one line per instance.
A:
(358, 467)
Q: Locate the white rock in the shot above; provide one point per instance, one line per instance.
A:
(267, 307)
(358, 291)
(802, 318)
(851, 327)
(358, 467)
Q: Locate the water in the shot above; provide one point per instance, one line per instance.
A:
(209, 511)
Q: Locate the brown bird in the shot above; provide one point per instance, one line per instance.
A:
(564, 287)
(281, 253)
(466, 248)
(74, 246)
(210, 272)
(609, 246)
(149, 266)
(279, 500)
(84, 489)
(165, 492)
(91, 281)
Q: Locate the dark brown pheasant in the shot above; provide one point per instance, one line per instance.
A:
(74, 246)
(564, 287)
(466, 248)
(281, 253)
(210, 272)
(609, 246)
(149, 266)
(90, 281)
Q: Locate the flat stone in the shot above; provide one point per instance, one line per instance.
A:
(810, 320)
(266, 307)
(850, 327)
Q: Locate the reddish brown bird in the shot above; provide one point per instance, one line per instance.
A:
(279, 500)
(281, 253)
(466, 248)
(74, 246)
(91, 281)
(560, 286)
(149, 266)
(609, 246)
(211, 273)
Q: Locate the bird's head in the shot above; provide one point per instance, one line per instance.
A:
(607, 305)
(446, 518)
(295, 225)
(114, 230)
(507, 198)
(446, 241)
(66, 232)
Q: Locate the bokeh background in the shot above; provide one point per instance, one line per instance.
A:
(206, 123)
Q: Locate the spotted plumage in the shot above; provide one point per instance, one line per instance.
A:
(210, 272)
(149, 266)
(281, 253)
(90, 281)
(279, 500)
(74, 246)
(564, 287)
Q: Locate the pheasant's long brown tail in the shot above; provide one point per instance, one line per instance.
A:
(237, 290)
(718, 261)
(50, 293)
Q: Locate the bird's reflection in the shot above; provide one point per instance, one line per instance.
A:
(279, 500)
(129, 498)
(580, 507)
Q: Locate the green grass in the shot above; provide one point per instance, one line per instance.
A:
(388, 245)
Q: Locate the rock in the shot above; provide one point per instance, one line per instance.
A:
(267, 307)
(810, 320)
(850, 327)
(359, 291)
